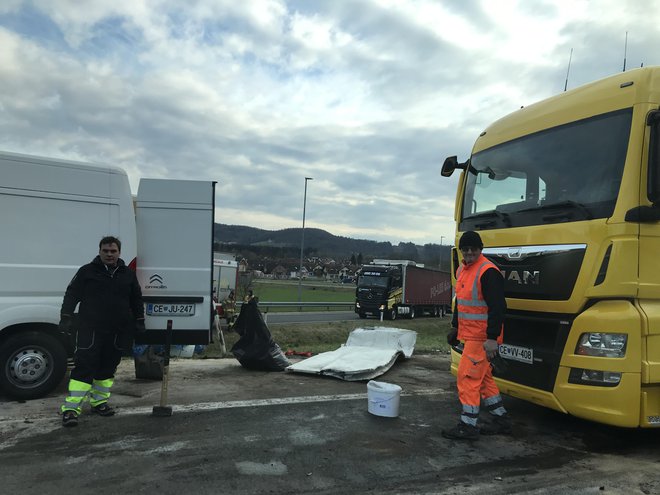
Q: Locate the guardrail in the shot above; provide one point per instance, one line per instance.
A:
(264, 306)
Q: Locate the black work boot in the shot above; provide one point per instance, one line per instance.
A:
(69, 418)
(462, 431)
(498, 425)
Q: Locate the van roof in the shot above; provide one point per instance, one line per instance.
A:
(20, 157)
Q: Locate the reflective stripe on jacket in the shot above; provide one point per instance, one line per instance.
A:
(470, 303)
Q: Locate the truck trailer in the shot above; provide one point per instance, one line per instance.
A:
(54, 213)
(565, 194)
(393, 288)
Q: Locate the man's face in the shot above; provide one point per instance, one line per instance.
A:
(109, 254)
(470, 254)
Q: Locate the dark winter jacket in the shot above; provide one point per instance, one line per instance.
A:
(110, 298)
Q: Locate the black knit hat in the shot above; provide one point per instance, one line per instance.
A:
(470, 239)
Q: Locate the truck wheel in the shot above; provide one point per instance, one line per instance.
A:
(392, 314)
(412, 313)
(33, 364)
(362, 315)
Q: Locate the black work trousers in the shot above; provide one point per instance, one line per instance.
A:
(98, 354)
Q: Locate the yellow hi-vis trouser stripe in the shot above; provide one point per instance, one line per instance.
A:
(100, 391)
(77, 393)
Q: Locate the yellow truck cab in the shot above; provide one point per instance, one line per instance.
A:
(565, 194)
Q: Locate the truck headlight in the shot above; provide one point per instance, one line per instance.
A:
(598, 344)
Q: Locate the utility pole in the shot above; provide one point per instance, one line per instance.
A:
(302, 242)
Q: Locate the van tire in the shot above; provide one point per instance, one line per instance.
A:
(41, 356)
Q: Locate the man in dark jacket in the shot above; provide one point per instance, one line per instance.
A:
(111, 310)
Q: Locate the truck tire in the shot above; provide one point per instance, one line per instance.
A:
(362, 315)
(33, 364)
(392, 314)
(411, 315)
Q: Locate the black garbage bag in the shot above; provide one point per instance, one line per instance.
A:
(256, 349)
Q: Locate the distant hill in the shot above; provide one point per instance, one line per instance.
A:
(323, 243)
(318, 242)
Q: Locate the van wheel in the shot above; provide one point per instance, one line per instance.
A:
(33, 364)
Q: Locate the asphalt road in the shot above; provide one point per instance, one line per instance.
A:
(236, 431)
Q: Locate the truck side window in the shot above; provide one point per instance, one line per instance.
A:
(653, 186)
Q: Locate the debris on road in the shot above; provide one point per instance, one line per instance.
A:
(368, 353)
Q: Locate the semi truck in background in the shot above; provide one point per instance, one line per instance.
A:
(393, 288)
(225, 276)
(54, 213)
(225, 280)
(565, 194)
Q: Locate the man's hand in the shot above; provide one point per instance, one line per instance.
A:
(139, 326)
(66, 323)
(452, 337)
(491, 348)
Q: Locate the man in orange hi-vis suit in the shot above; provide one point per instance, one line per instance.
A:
(478, 321)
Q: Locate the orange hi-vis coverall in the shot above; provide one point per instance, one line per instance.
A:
(475, 379)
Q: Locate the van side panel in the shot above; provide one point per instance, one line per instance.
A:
(53, 215)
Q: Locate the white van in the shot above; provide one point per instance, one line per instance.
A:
(52, 215)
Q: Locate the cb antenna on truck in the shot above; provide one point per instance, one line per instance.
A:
(625, 52)
(568, 70)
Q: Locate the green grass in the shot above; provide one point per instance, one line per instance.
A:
(287, 291)
(311, 291)
(323, 337)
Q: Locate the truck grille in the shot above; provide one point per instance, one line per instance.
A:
(546, 335)
(370, 299)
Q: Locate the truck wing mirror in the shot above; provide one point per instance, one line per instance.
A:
(451, 164)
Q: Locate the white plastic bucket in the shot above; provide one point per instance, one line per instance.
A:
(383, 398)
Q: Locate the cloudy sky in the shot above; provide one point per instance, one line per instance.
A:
(366, 96)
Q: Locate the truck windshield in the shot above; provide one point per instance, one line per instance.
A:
(372, 281)
(564, 174)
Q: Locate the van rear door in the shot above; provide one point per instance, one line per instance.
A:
(174, 221)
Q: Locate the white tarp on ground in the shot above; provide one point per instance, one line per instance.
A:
(368, 353)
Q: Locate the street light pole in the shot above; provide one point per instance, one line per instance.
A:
(302, 242)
